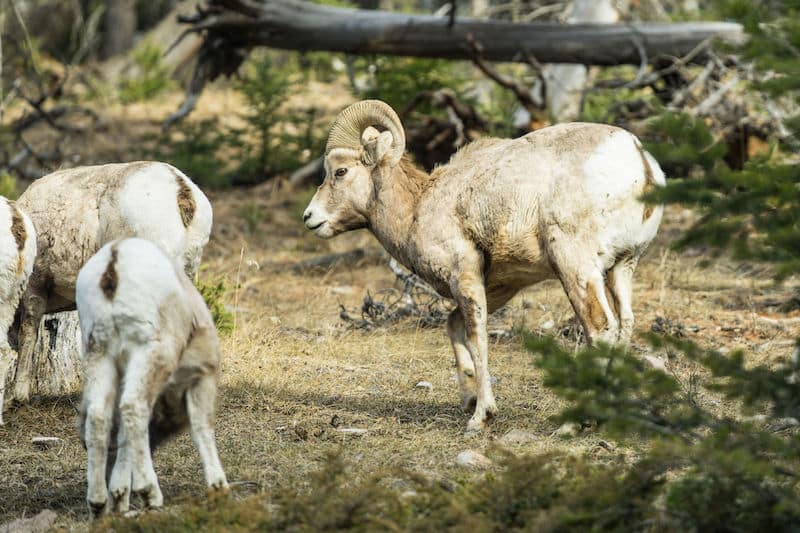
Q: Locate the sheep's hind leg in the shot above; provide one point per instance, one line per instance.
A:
(578, 269)
(97, 413)
(619, 281)
(139, 392)
(6, 358)
(7, 355)
(465, 369)
(200, 400)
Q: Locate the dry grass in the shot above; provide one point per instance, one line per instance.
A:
(292, 371)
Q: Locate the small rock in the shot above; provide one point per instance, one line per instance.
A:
(408, 494)
(473, 459)
(44, 443)
(547, 325)
(518, 436)
(655, 363)
(448, 484)
(606, 445)
(493, 380)
(344, 289)
(352, 431)
(36, 524)
(427, 385)
(782, 424)
(500, 334)
(567, 430)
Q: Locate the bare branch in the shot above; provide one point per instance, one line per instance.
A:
(521, 92)
(713, 100)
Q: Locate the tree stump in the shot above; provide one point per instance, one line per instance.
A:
(57, 366)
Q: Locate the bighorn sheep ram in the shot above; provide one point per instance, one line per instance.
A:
(76, 211)
(151, 358)
(561, 202)
(17, 254)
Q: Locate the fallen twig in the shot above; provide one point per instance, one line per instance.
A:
(709, 103)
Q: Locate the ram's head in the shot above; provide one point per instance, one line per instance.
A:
(355, 150)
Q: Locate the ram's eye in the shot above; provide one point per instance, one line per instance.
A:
(340, 172)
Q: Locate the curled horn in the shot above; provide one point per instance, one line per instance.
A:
(352, 121)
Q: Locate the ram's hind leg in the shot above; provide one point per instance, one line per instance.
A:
(580, 272)
(7, 355)
(99, 397)
(619, 281)
(200, 403)
(146, 375)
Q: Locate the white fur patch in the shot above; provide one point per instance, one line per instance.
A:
(148, 205)
(615, 168)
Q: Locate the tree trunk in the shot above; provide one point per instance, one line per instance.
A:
(564, 83)
(57, 366)
(120, 27)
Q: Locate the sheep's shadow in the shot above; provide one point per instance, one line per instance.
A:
(420, 412)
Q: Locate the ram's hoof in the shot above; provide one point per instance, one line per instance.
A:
(468, 403)
(96, 509)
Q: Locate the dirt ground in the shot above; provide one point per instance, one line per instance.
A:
(293, 370)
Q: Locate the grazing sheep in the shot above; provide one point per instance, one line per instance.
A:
(76, 211)
(561, 202)
(17, 254)
(151, 358)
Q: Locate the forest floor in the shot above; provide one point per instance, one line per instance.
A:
(294, 374)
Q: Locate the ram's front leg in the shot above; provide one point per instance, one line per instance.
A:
(465, 368)
(470, 295)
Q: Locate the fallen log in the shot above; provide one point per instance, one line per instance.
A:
(231, 28)
(300, 25)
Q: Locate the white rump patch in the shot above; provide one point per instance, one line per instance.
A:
(615, 169)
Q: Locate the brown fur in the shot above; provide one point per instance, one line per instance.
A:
(594, 311)
(109, 279)
(20, 234)
(186, 204)
(649, 184)
(417, 178)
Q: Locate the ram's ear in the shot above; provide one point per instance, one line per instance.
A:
(376, 145)
(369, 136)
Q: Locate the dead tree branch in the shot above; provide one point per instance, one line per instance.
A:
(522, 93)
